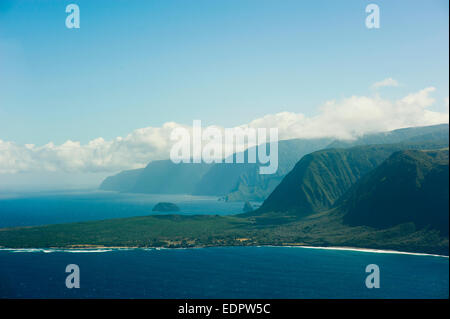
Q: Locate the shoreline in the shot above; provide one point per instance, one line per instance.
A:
(369, 250)
(99, 249)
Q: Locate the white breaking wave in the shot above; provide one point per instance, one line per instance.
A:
(47, 251)
(369, 250)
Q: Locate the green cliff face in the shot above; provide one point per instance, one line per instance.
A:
(319, 179)
(410, 186)
(158, 177)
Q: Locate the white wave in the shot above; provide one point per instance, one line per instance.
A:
(103, 250)
(369, 250)
(85, 250)
(48, 251)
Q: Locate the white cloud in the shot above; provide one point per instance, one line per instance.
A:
(357, 115)
(384, 83)
(132, 151)
(343, 119)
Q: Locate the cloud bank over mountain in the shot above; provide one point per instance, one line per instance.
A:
(347, 118)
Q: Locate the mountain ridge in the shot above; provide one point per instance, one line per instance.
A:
(409, 186)
(320, 178)
(241, 182)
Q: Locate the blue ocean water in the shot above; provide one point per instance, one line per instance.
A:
(226, 272)
(41, 208)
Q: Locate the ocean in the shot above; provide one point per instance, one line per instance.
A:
(40, 208)
(221, 272)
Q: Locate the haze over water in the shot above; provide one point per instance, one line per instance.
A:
(40, 208)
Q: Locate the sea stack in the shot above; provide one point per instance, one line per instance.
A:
(165, 207)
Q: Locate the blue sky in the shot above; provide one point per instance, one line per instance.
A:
(141, 63)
